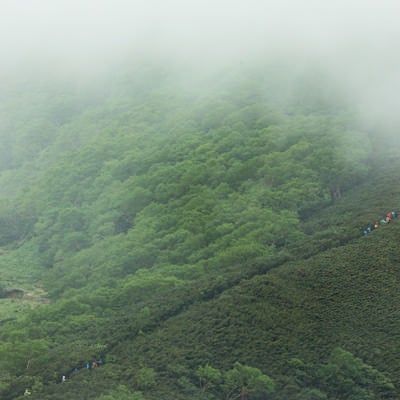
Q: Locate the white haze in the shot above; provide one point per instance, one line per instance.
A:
(354, 41)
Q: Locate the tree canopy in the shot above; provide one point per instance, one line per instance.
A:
(192, 243)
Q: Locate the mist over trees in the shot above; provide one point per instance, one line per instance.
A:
(353, 41)
(183, 187)
(149, 202)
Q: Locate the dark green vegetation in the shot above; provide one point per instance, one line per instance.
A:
(204, 244)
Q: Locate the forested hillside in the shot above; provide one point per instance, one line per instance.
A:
(174, 240)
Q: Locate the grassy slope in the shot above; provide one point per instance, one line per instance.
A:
(20, 270)
(345, 296)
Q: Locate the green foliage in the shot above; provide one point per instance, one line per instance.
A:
(155, 219)
(347, 377)
(145, 378)
(208, 377)
(247, 382)
(311, 394)
(122, 393)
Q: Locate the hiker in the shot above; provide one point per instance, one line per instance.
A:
(95, 364)
(63, 379)
(385, 220)
(87, 365)
(371, 227)
(27, 392)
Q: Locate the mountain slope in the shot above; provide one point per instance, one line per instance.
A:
(172, 229)
(286, 322)
(343, 297)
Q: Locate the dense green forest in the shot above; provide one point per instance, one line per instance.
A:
(168, 239)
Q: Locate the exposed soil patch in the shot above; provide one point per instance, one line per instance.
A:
(12, 294)
(36, 296)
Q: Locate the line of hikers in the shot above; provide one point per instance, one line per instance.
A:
(383, 221)
(87, 365)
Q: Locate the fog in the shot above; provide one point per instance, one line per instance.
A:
(84, 33)
(353, 41)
